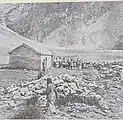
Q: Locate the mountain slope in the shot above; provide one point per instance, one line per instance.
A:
(95, 25)
(37, 20)
(80, 35)
(104, 33)
(10, 40)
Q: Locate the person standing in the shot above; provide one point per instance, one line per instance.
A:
(77, 63)
(51, 97)
(64, 63)
(82, 65)
(71, 64)
(74, 64)
(54, 63)
(44, 66)
(59, 62)
(68, 63)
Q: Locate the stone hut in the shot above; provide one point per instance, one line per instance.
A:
(29, 56)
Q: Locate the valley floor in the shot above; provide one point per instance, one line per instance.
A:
(86, 94)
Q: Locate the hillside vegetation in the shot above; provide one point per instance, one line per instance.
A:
(89, 24)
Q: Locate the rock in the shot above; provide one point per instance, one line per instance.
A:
(65, 85)
(52, 109)
(29, 93)
(38, 86)
(12, 103)
(72, 91)
(58, 81)
(67, 78)
(16, 95)
(73, 85)
(23, 91)
(60, 88)
(3, 105)
(66, 91)
(41, 91)
(31, 87)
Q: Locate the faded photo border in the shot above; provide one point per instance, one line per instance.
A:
(46, 1)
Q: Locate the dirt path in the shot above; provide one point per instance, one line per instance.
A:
(59, 71)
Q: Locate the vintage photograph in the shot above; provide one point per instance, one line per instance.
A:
(61, 60)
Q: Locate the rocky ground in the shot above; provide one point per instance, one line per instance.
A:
(90, 93)
(12, 76)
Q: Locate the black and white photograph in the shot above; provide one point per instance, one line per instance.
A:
(61, 60)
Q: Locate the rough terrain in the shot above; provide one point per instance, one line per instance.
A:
(90, 93)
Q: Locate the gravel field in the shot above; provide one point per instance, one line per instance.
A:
(79, 94)
(9, 76)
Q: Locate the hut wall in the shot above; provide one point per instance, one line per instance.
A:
(49, 60)
(24, 58)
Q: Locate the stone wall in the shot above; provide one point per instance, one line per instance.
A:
(24, 63)
(11, 76)
(25, 58)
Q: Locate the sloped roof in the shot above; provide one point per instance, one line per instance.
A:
(9, 40)
(37, 47)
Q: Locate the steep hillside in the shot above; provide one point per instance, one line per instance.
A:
(115, 27)
(9, 40)
(111, 36)
(95, 25)
(81, 35)
(104, 33)
(37, 21)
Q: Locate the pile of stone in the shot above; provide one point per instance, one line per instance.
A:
(111, 71)
(16, 94)
(69, 90)
(87, 96)
(80, 97)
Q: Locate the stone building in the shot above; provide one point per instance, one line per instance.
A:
(29, 56)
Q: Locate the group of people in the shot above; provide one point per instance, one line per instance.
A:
(68, 63)
(77, 63)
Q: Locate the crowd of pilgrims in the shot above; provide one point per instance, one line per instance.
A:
(68, 63)
(77, 63)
